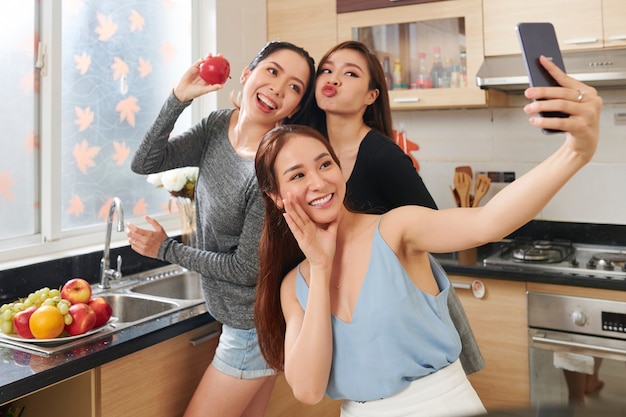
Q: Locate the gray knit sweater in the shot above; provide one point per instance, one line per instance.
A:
(229, 209)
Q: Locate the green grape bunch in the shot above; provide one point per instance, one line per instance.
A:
(41, 297)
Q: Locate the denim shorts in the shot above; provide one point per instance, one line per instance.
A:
(238, 354)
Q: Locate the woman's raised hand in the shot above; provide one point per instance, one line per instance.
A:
(573, 97)
(318, 243)
(191, 85)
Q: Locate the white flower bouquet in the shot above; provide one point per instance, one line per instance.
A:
(180, 182)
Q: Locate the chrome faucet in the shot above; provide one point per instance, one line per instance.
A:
(106, 273)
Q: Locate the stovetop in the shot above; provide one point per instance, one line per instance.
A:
(561, 257)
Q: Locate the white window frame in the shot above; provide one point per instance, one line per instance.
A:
(52, 243)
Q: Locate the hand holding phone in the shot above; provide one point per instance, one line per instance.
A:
(538, 39)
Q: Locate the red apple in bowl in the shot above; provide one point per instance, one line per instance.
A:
(103, 310)
(20, 322)
(215, 70)
(76, 291)
(83, 319)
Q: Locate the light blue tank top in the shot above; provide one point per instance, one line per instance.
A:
(398, 333)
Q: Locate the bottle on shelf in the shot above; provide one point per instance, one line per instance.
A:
(445, 81)
(455, 76)
(397, 76)
(437, 70)
(387, 71)
(463, 70)
(423, 76)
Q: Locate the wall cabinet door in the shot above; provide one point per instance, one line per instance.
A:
(500, 325)
(614, 18)
(578, 24)
(311, 24)
(158, 380)
(403, 32)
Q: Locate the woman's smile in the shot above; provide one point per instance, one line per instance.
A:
(321, 201)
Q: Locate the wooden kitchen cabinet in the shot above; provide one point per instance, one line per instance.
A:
(73, 396)
(311, 24)
(613, 18)
(499, 322)
(402, 32)
(158, 380)
(580, 24)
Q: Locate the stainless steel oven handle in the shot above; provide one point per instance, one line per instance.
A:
(556, 342)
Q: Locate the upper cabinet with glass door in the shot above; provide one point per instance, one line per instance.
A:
(431, 51)
(579, 24)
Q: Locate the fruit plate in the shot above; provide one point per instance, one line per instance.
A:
(57, 340)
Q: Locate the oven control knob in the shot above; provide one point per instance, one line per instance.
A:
(579, 318)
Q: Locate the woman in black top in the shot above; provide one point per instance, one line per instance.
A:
(351, 108)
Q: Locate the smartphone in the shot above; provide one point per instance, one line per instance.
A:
(536, 39)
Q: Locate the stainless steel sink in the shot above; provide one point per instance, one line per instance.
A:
(141, 303)
(183, 286)
(128, 308)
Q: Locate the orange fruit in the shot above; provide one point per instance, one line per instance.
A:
(46, 322)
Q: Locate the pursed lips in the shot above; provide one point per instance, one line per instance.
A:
(329, 90)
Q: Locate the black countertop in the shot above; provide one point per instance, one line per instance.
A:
(23, 371)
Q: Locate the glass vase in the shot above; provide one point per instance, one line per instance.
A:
(187, 212)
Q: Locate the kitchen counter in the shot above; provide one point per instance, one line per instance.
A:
(592, 234)
(23, 372)
(453, 266)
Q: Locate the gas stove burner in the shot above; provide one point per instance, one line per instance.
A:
(532, 255)
(607, 261)
(539, 251)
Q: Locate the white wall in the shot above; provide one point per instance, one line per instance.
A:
(501, 139)
(235, 28)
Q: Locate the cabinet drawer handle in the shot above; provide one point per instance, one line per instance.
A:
(406, 100)
(580, 41)
(477, 287)
(617, 38)
(205, 338)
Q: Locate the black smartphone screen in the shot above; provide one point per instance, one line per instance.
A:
(536, 39)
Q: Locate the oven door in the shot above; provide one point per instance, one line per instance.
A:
(560, 363)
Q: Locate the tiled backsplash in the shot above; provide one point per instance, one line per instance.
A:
(501, 139)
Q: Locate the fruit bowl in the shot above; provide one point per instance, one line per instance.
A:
(64, 338)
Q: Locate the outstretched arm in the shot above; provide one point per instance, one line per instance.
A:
(518, 203)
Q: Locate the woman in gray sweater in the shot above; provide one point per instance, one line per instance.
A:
(229, 213)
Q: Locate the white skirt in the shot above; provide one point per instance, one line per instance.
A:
(447, 393)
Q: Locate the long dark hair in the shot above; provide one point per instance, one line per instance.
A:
(378, 114)
(273, 46)
(279, 252)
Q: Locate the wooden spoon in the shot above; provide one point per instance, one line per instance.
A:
(463, 183)
(481, 187)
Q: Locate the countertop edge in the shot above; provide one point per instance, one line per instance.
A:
(43, 379)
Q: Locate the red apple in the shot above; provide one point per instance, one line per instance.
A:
(76, 290)
(215, 70)
(103, 310)
(83, 319)
(20, 322)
